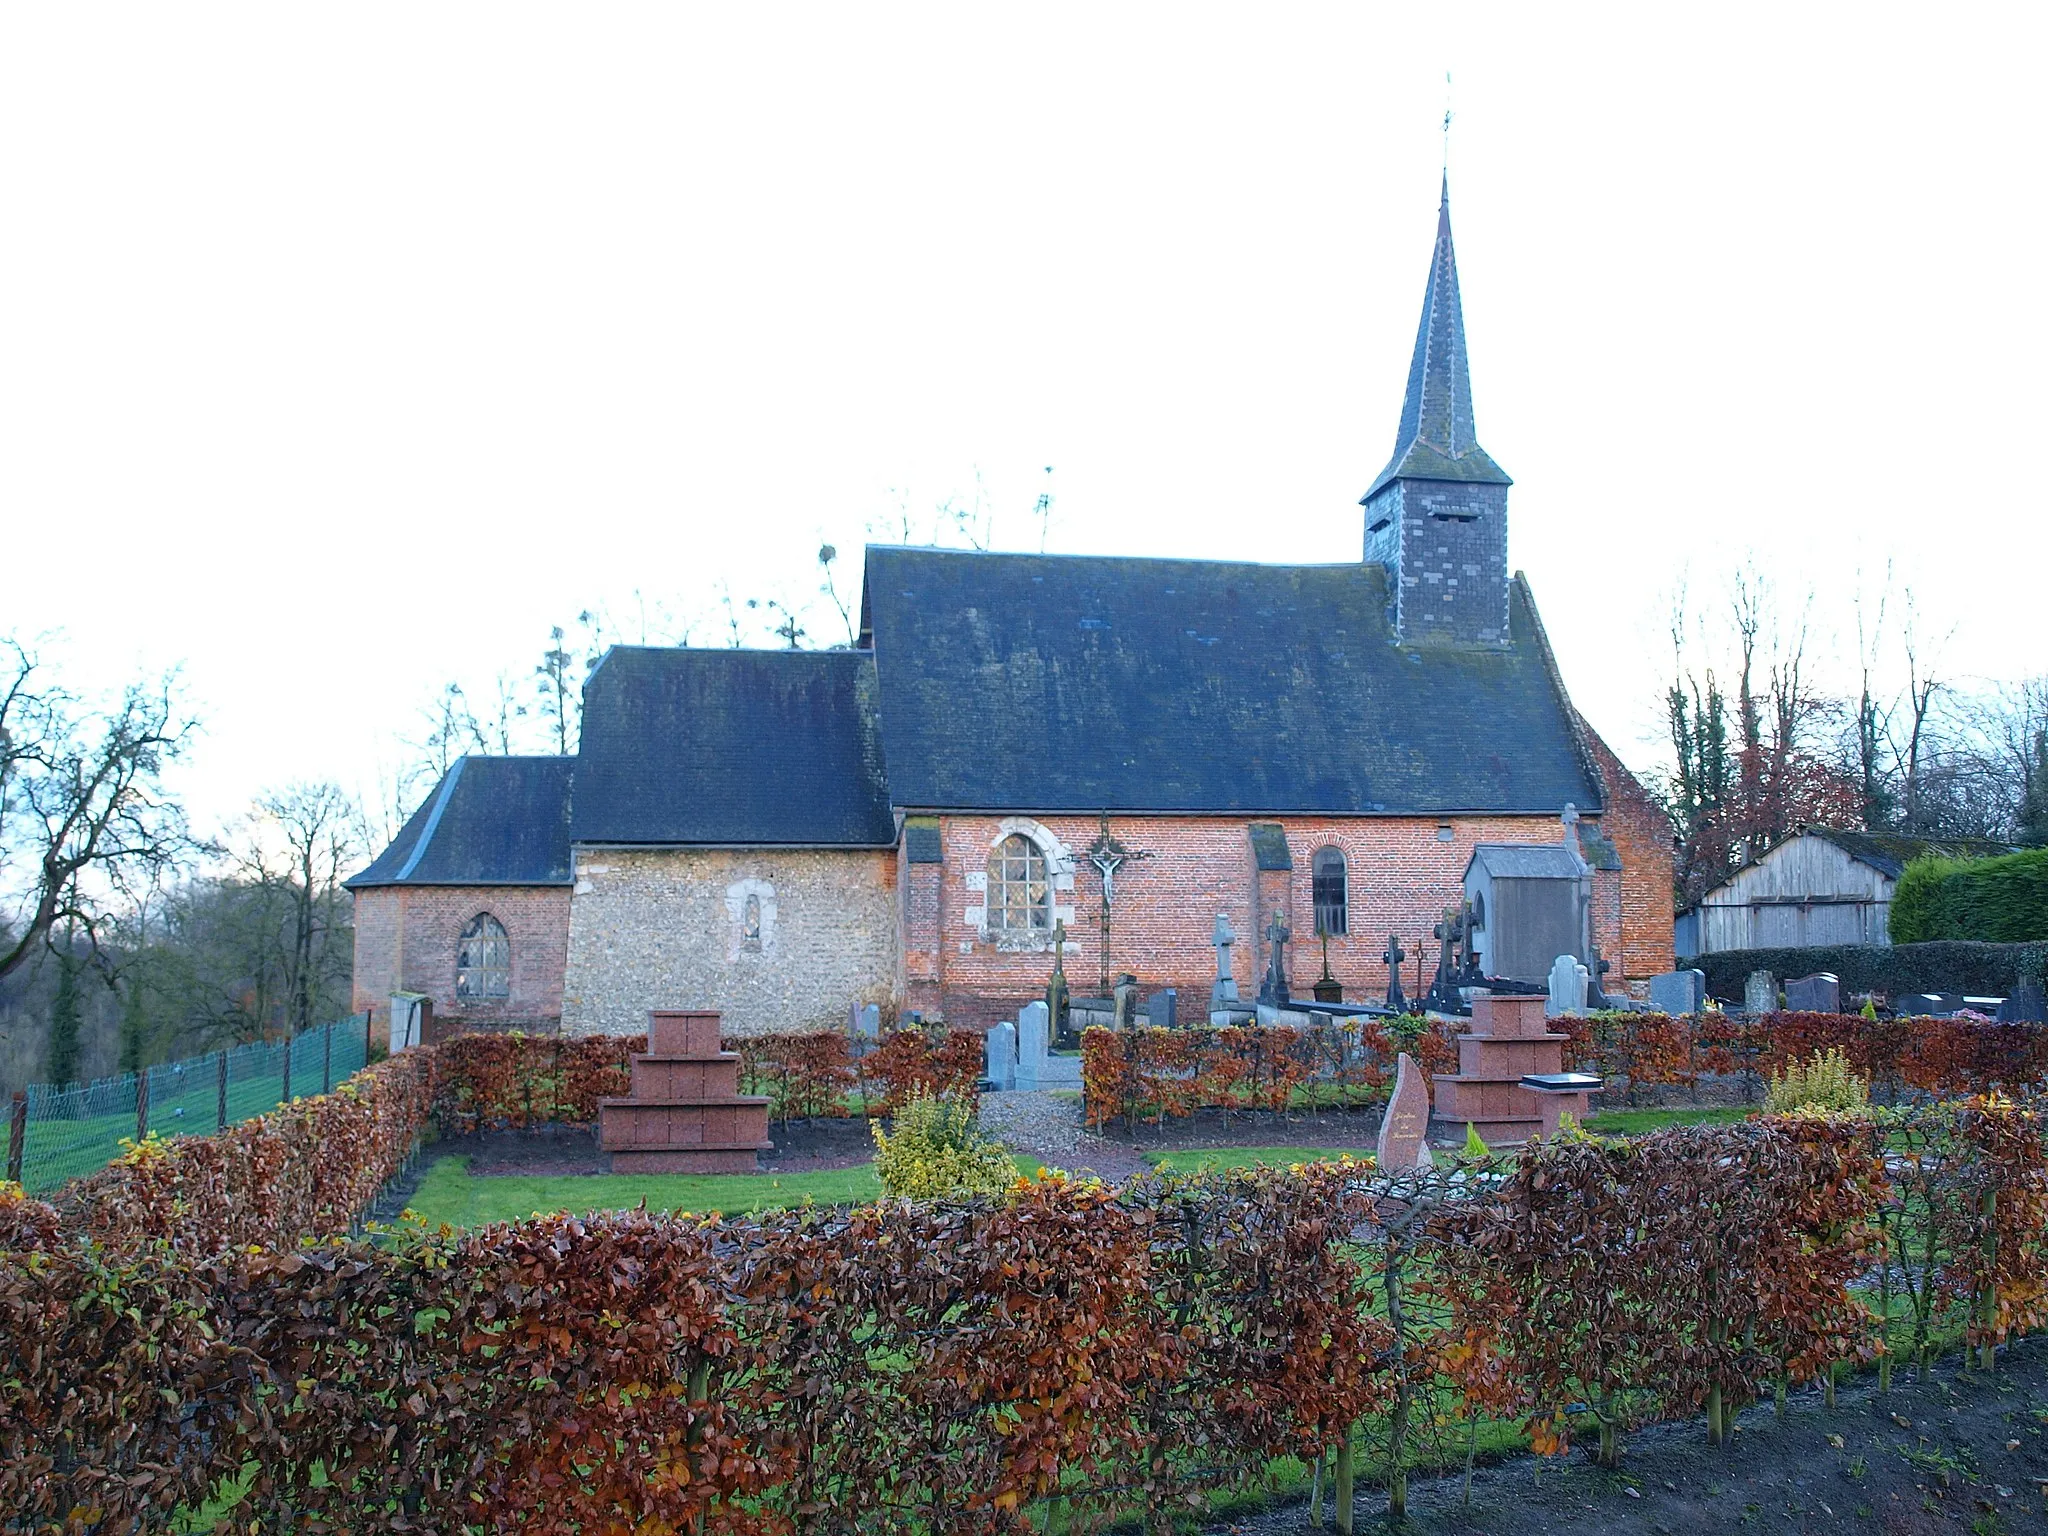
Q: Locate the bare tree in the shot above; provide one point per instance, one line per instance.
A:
(300, 840)
(84, 819)
(1923, 685)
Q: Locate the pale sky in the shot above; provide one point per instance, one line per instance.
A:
(343, 350)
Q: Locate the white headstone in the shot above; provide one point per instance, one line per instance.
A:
(1567, 988)
(1000, 1059)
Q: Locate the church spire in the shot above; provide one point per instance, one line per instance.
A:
(1437, 440)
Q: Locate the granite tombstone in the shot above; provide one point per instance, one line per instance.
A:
(1678, 992)
(1404, 1132)
(1818, 993)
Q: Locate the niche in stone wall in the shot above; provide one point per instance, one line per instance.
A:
(750, 914)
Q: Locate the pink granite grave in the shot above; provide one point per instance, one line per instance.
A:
(685, 1113)
(1507, 1042)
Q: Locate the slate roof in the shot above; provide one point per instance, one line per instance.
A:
(1067, 683)
(730, 747)
(1526, 861)
(1890, 852)
(490, 821)
(1437, 439)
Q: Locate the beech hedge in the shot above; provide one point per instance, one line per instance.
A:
(942, 1366)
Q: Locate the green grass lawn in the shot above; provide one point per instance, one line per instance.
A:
(1638, 1122)
(1212, 1159)
(451, 1194)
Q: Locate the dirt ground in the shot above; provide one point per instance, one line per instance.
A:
(1959, 1453)
(552, 1151)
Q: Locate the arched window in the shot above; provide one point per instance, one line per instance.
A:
(1329, 891)
(1019, 889)
(483, 964)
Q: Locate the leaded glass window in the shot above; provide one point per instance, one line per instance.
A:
(1019, 888)
(483, 963)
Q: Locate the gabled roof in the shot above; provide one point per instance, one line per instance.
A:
(730, 747)
(1067, 683)
(1437, 439)
(1526, 861)
(1890, 852)
(490, 821)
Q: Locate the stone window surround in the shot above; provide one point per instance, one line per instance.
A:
(1059, 863)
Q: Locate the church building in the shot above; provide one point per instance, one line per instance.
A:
(1121, 750)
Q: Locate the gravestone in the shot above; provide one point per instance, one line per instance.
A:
(1760, 993)
(869, 1023)
(1392, 959)
(1928, 1005)
(1404, 1131)
(1159, 1008)
(1818, 993)
(1033, 1044)
(2026, 1005)
(1678, 992)
(999, 1048)
(1125, 994)
(1567, 988)
(1225, 989)
(1273, 985)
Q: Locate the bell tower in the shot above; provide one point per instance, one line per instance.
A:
(1437, 515)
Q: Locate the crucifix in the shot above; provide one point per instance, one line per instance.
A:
(1108, 856)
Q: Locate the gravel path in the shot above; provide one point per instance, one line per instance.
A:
(1047, 1126)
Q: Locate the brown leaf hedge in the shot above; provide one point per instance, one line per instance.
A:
(1154, 1074)
(908, 1366)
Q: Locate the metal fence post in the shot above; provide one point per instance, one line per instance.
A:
(142, 1105)
(17, 1134)
(285, 1092)
(327, 1059)
(368, 1015)
(221, 1110)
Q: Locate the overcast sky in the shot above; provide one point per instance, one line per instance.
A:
(343, 350)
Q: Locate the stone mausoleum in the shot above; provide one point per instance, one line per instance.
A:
(1127, 748)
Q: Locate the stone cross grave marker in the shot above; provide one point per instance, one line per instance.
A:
(1819, 993)
(1404, 1133)
(1393, 957)
(1567, 988)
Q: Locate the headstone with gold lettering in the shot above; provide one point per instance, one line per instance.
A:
(1404, 1132)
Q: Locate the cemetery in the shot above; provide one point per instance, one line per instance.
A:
(1470, 1189)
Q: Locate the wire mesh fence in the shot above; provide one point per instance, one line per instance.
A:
(56, 1134)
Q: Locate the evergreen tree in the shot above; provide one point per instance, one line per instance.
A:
(64, 1023)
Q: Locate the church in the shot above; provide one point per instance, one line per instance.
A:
(1115, 750)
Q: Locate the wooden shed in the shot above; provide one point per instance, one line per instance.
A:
(1817, 887)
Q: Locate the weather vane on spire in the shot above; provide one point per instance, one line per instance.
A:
(1447, 132)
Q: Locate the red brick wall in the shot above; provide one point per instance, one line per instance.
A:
(407, 936)
(1400, 878)
(1641, 834)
